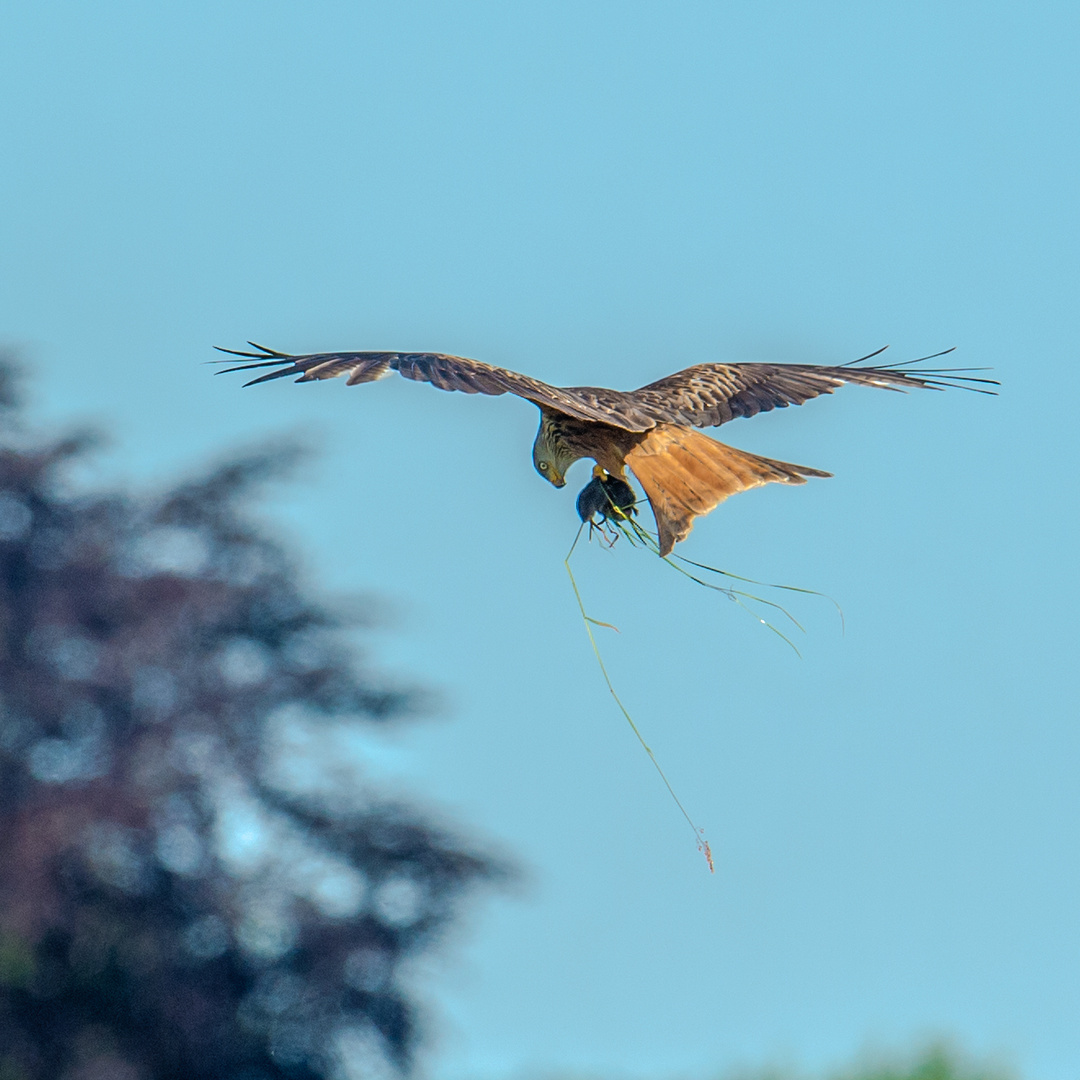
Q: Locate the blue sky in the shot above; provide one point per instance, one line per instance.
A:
(602, 193)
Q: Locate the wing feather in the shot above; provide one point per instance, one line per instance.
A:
(707, 395)
(447, 373)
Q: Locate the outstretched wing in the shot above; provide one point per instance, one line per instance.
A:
(707, 395)
(447, 373)
(701, 396)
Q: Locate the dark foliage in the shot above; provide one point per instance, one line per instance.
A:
(179, 896)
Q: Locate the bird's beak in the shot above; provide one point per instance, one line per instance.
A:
(559, 481)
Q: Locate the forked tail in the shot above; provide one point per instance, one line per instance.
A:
(686, 474)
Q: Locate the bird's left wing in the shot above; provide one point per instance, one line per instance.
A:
(442, 371)
(710, 394)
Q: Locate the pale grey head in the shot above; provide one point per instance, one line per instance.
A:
(551, 456)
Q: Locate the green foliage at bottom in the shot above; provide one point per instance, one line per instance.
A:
(938, 1062)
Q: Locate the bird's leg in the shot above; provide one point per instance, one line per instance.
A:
(621, 500)
(601, 474)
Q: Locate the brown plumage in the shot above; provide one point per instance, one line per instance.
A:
(684, 474)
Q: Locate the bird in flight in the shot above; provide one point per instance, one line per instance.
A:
(649, 431)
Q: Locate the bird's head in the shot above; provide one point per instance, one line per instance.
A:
(551, 457)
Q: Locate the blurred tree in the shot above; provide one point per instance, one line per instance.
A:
(183, 893)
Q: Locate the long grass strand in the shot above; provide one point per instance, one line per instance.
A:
(589, 622)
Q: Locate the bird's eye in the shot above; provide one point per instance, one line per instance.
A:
(543, 466)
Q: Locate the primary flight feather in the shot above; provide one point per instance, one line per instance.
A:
(650, 430)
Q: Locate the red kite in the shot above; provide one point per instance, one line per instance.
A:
(650, 431)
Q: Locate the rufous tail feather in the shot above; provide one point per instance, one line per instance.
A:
(686, 474)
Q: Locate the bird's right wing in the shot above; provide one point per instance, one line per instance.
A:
(442, 371)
